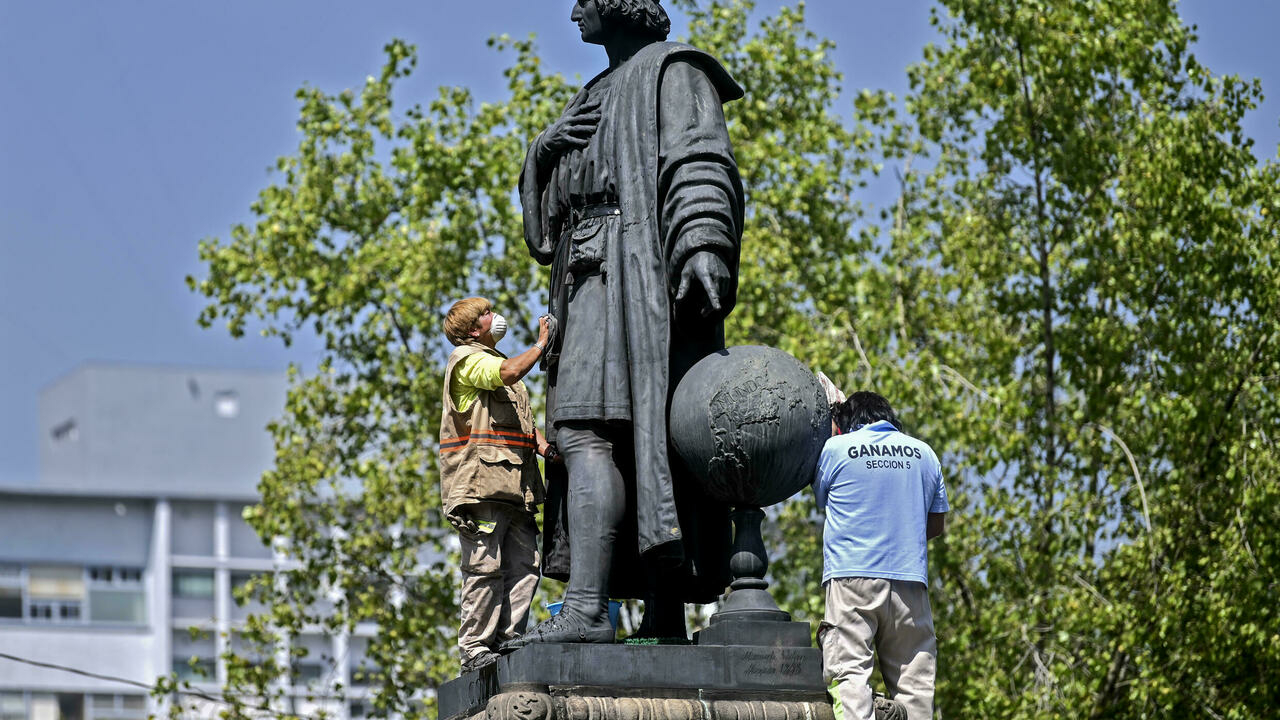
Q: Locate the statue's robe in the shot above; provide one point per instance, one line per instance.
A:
(662, 150)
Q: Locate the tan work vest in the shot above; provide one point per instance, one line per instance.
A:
(487, 452)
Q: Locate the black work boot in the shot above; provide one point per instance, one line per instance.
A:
(484, 658)
(888, 709)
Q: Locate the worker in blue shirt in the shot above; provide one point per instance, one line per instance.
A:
(883, 496)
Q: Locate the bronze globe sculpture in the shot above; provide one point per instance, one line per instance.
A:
(749, 422)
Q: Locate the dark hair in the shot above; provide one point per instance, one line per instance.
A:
(644, 16)
(863, 408)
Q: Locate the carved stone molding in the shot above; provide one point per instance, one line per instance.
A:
(580, 707)
(526, 705)
(520, 706)
(770, 710)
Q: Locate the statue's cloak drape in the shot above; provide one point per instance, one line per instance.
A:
(669, 194)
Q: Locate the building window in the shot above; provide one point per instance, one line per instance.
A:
(10, 603)
(362, 670)
(308, 671)
(61, 594)
(117, 606)
(118, 707)
(107, 576)
(60, 706)
(55, 594)
(194, 656)
(241, 578)
(11, 583)
(195, 669)
(192, 596)
(116, 595)
(13, 706)
(195, 584)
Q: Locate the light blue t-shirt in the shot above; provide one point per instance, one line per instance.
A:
(877, 486)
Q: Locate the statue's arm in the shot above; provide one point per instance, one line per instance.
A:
(532, 184)
(700, 189)
(571, 132)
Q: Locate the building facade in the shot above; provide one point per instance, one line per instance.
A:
(119, 565)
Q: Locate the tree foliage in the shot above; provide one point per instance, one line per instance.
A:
(1073, 300)
(379, 222)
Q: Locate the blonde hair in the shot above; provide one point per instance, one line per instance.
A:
(462, 318)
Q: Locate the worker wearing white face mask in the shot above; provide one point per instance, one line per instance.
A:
(489, 477)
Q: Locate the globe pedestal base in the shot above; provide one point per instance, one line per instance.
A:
(750, 604)
(751, 616)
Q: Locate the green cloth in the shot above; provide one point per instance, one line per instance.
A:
(477, 372)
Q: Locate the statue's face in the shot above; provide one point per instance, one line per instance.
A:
(587, 15)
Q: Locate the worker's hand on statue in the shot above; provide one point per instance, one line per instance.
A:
(550, 452)
(544, 330)
(572, 131)
(705, 271)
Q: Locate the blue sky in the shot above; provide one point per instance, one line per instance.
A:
(129, 130)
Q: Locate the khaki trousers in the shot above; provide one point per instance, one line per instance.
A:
(893, 620)
(499, 576)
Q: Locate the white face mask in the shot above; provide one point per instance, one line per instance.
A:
(498, 328)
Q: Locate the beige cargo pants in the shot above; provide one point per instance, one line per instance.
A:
(499, 576)
(893, 620)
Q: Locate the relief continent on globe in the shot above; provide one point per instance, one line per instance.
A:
(749, 422)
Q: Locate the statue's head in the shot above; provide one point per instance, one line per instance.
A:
(600, 20)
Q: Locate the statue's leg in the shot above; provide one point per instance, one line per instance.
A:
(596, 505)
(663, 609)
(597, 502)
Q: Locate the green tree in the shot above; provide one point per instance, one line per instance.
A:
(1082, 291)
(377, 223)
(1073, 300)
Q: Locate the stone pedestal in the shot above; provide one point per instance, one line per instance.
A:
(571, 705)
(643, 682)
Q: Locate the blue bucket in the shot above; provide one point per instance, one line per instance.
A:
(615, 609)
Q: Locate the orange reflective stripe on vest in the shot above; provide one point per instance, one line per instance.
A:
(496, 437)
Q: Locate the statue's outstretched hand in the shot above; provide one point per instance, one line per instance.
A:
(572, 131)
(712, 275)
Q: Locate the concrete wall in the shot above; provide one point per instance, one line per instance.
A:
(84, 531)
(125, 653)
(159, 431)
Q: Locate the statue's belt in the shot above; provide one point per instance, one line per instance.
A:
(587, 212)
(564, 280)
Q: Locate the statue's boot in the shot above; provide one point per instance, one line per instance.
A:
(563, 627)
(596, 503)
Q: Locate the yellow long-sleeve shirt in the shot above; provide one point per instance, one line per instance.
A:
(475, 373)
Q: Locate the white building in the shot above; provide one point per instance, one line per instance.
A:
(132, 536)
